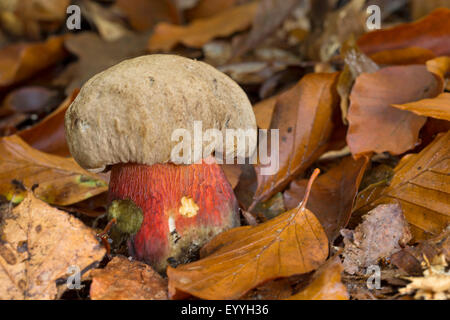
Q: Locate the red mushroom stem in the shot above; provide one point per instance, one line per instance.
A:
(183, 205)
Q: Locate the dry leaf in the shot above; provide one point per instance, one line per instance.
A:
(438, 107)
(381, 234)
(376, 126)
(440, 66)
(421, 184)
(38, 245)
(403, 56)
(208, 8)
(264, 111)
(166, 36)
(242, 258)
(32, 99)
(123, 279)
(421, 8)
(49, 134)
(54, 179)
(303, 114)
(21, 61)
(332, 195)
(431, 32)
(326, 283)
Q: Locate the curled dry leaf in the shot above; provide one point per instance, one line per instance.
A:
(303, 114)
(438, 107)
(123, 279)
(403, 56)
(55, 180)
(332, 196)
(421, 184)
(167, 36)
(21, 61)
(326, 283)
(440, 66)
(38, 245)
(242, 258)
(431, 32)
(376, 126)
(382, 233)
(49, 134)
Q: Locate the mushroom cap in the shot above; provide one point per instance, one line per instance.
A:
(130, 113)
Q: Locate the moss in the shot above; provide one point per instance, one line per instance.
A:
(128, 216)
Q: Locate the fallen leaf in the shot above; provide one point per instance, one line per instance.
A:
(32, 99)
(421, 185)
(403, 56)
(431, 32)
(208, 8)
(268, 17)
(381, 234)
(123, 279)
(232, 173)
(243, 258)
(49, 134)
(440, 66)
(144, 14)
(303, 114)
(326, 283)
(376, 126)
(54, 179)
(166, 36)
(264, 111)
(39, 246)
(23, 60)
(438, 107)
(421, 8)
(96, 55)
(332, 195)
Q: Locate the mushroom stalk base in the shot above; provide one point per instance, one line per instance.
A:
(184, 206)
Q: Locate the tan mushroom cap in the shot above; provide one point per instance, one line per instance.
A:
(129, 112)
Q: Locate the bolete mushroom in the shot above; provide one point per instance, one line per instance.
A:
(124, 118)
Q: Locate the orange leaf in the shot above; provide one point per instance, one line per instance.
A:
(54, 179)
(326, 283)
(303, 114)
(332, 196)
(438, 107)
(403, 56)
(242, 258)
(421, 184)
(441, 68)
(49, 134)
(207, 8)
(431, 32)
(21, 61)
(375, 126)
(264, 111)
(166, 36)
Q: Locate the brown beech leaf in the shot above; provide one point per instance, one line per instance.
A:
(243, 258)
(303, 114)
(325, 284)
(332, 195)
(208, 8)
(32, 99)
(440, 66)
(438, 107)
(49, 134)
(264, 111)
(166, 36)
(39, 244)
(403, 56)
(23, 60)
(376, 126)
(123, 279)
(431, 32)
(54, 179)
(421, 184)
(382, 233)
(144, 14)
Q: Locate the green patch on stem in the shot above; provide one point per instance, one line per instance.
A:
(128, 216)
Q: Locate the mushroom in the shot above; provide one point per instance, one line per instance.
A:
(123, 119)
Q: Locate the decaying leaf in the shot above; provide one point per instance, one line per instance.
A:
(403, 56)
(438, 107)
(208, 8)
(123, 279)
(167, 36)
(376, 126)
(39, 245)
(49, 134)
(382, 233)
(431, 32)
(332, 195)
(54, 179)
(326, 283)
(23, 60)
(303, 115)
(242, 258)
(421, 184)
(264, 111)
(440, 66)
(435, 285)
